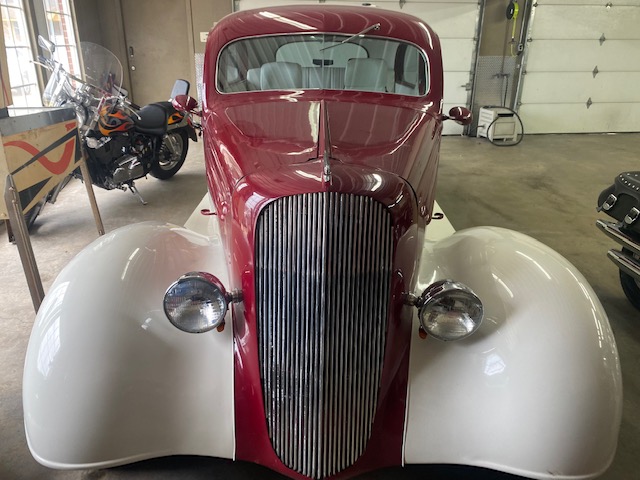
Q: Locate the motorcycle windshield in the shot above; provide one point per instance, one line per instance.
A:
(102, 69)
(58, 90)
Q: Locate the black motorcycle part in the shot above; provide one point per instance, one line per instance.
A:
(151, 120)
(192, 133)
(622, 200)
(98, 164)
(168, 164)
(111, 149)
(31, 215)
(630, 285)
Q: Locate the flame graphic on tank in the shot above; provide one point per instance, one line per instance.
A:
(112, 121)
(175, 118)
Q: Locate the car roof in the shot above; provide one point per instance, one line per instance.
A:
(320, 18)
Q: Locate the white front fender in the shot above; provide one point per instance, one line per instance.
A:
(108, 380)
(537, 390)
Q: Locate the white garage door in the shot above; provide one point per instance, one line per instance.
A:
(455, 22)
(582, 67)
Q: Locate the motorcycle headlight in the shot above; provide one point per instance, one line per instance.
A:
(449, 310)
(197, 302)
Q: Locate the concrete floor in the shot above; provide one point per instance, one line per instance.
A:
(545, 187)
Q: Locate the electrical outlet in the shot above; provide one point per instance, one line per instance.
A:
(203, 36)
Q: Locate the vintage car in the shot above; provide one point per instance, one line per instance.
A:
(316, 328)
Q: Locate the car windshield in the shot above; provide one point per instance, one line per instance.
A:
(322, 61)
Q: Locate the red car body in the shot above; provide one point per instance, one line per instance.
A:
(258, 149)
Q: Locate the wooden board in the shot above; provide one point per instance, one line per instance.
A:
(39, 158)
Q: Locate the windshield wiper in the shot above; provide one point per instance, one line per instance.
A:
(375, 26)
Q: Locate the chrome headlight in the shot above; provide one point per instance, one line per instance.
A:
(197, 302)
(449, 310)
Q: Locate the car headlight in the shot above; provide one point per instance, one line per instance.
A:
(197, 302)
(449, 310)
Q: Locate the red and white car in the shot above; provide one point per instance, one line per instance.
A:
(315, 329)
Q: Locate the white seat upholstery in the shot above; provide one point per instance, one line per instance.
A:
(367, 74)
(323, 77)
(253, 78)
(280, 76)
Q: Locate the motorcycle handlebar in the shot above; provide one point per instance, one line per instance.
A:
(43, 62)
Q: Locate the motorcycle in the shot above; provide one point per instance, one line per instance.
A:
(621, 201)
(123, 141)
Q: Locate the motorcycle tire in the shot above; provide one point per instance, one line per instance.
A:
(630, 286)
(168, 165)
(31, 215)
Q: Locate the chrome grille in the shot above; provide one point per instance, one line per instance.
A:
(323, 268)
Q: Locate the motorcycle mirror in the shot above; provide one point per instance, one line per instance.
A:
(181, 87)
(460, 115)
(46, 44)
(185, 103)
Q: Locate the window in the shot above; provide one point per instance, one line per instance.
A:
(322, 61)
(22, 73)
(61, 33)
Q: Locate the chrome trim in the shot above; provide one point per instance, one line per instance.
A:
(323, 270)
(625, 263)
(632, 216)
(613, 230)
(609, 202)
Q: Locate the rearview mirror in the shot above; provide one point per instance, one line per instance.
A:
(46, 44)
(460, 115)
(185, 103)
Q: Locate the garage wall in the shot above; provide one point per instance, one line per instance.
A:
(203, 15)
(582, 67)
(90, 28)
(455, 22)
(101, 22)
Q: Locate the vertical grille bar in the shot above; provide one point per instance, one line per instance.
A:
(323, 267)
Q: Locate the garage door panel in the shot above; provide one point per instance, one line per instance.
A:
(585, 22)
(455, 91)
(583, 55)
(575, 118)
(585, 2)
(448, 20)
(457, 54)
(579, 87)
(560, 93)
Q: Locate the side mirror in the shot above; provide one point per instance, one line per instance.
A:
(460, 115)
(181, 87)
(46, 44)
(185, 103)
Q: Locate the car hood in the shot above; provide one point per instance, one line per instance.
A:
(270, 136)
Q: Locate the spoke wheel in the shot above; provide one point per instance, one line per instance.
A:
(171, 160)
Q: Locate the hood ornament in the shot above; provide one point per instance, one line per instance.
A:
(324, 142)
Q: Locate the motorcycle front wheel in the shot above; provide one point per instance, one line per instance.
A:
(630, 285)
(170, 159)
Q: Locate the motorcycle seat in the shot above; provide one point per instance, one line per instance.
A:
(152, 121)
(166, 105)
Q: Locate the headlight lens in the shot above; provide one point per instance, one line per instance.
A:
(196, 303)
(450, 310)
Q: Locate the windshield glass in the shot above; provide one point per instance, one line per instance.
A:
(322, 61)
(102, 68)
